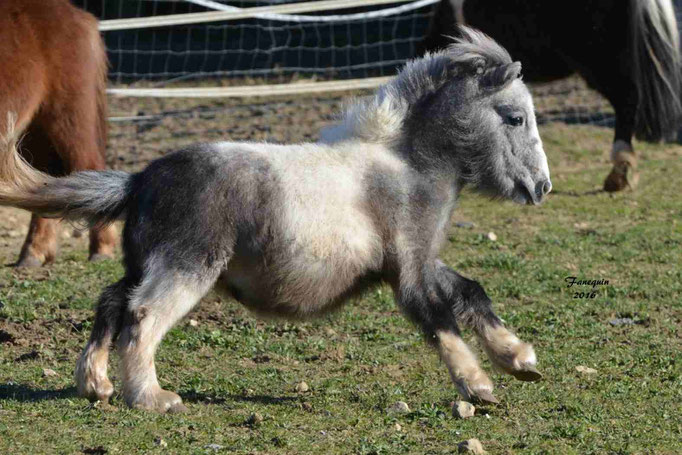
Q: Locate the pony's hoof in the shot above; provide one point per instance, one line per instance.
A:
(90, 385)
(528, 373)
(99, 257)
(162, 401)
(97, 392)
(622, 176)
(178, 408)
(484, 397)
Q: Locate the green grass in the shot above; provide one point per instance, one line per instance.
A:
(232, 365)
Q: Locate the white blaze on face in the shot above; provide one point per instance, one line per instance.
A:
(540, 169)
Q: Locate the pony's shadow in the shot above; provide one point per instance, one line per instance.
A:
(26, 394)
(22, 393)
(197, 397)
(577, 193)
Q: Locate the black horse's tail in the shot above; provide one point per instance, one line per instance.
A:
(657, 68)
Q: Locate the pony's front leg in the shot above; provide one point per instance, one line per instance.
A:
(471, 306)
(424, 305)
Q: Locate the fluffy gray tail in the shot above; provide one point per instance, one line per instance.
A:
(96, 197)
(656, 51)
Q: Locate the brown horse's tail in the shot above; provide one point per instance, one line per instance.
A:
(96, 197)
(658, 68)
(102, 63)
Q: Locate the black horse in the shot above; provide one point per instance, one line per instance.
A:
(627, 50)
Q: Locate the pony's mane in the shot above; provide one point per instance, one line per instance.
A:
(380, 118)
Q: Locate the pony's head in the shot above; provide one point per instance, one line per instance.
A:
(464, 109)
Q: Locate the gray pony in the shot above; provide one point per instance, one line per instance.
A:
(295, 230)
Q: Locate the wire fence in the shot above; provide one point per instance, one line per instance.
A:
(358, 42)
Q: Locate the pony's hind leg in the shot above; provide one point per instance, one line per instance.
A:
(163, 297)
(91, 369)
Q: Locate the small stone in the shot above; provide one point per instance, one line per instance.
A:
(13, 233)
(465, 224)
(491, 236)
(463, 410)
(160, 442)
(77, 233)
(193, 323)
(586, 370)
(399, 407)
(329, 332)
(255, 419)
(302, 387)
(48, 373)
(397, 427)
(471, 446)
(214, 447)
(66, 234)
(621, 321)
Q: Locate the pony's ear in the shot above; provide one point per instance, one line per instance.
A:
(498, 77)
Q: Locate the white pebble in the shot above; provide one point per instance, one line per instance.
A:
(463, 410)
(586, 370)
(302, 387)
(492, 236)
(471, 446)
(399, 407)
(47, 372)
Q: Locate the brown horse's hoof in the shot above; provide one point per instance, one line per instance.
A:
(29, 261)
(99, 257)
(622, 176)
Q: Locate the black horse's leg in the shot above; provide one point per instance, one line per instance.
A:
(624, 98)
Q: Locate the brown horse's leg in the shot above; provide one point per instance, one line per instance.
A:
(81, 148)
(40, 246)
(102, 243)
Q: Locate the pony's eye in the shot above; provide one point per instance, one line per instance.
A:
(515, 120)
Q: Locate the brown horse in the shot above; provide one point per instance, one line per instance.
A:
(53, 76)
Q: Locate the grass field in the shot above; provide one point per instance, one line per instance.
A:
(366, 357)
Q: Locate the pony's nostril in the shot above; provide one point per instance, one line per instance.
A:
(542, 188)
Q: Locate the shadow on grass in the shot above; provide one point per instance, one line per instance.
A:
(577, 193)
(196, 397)
(18, 392)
